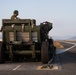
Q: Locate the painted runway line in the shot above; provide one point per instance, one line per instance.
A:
(64, 50)
(16, 67)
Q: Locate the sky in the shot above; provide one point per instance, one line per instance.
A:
(62, 13)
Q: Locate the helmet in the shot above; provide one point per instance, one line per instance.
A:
(15, 12)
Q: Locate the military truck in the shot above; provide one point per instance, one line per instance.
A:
(23, 38)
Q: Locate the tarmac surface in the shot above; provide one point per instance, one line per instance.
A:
(64, 64)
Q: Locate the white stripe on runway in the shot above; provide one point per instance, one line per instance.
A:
(16, 67)
(62, 51)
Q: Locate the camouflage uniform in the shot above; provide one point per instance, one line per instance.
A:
(13, 17)
(15, 14)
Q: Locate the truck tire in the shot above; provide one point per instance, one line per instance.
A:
(45, 52)
(2, 52)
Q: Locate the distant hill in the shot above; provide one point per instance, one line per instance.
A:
(60, 37)
(64, 37)
(73, 38)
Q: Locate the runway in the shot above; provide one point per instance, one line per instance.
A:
(64, 64)
(13, 66)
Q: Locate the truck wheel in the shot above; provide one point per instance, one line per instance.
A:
(2, 52)
(45, 52)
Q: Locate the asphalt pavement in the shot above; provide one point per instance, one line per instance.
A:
(64, 64)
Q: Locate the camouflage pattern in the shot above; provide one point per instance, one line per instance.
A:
(13, 17)
(15, 14)
(23, 39)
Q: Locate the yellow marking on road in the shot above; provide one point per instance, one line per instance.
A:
(54, 68)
